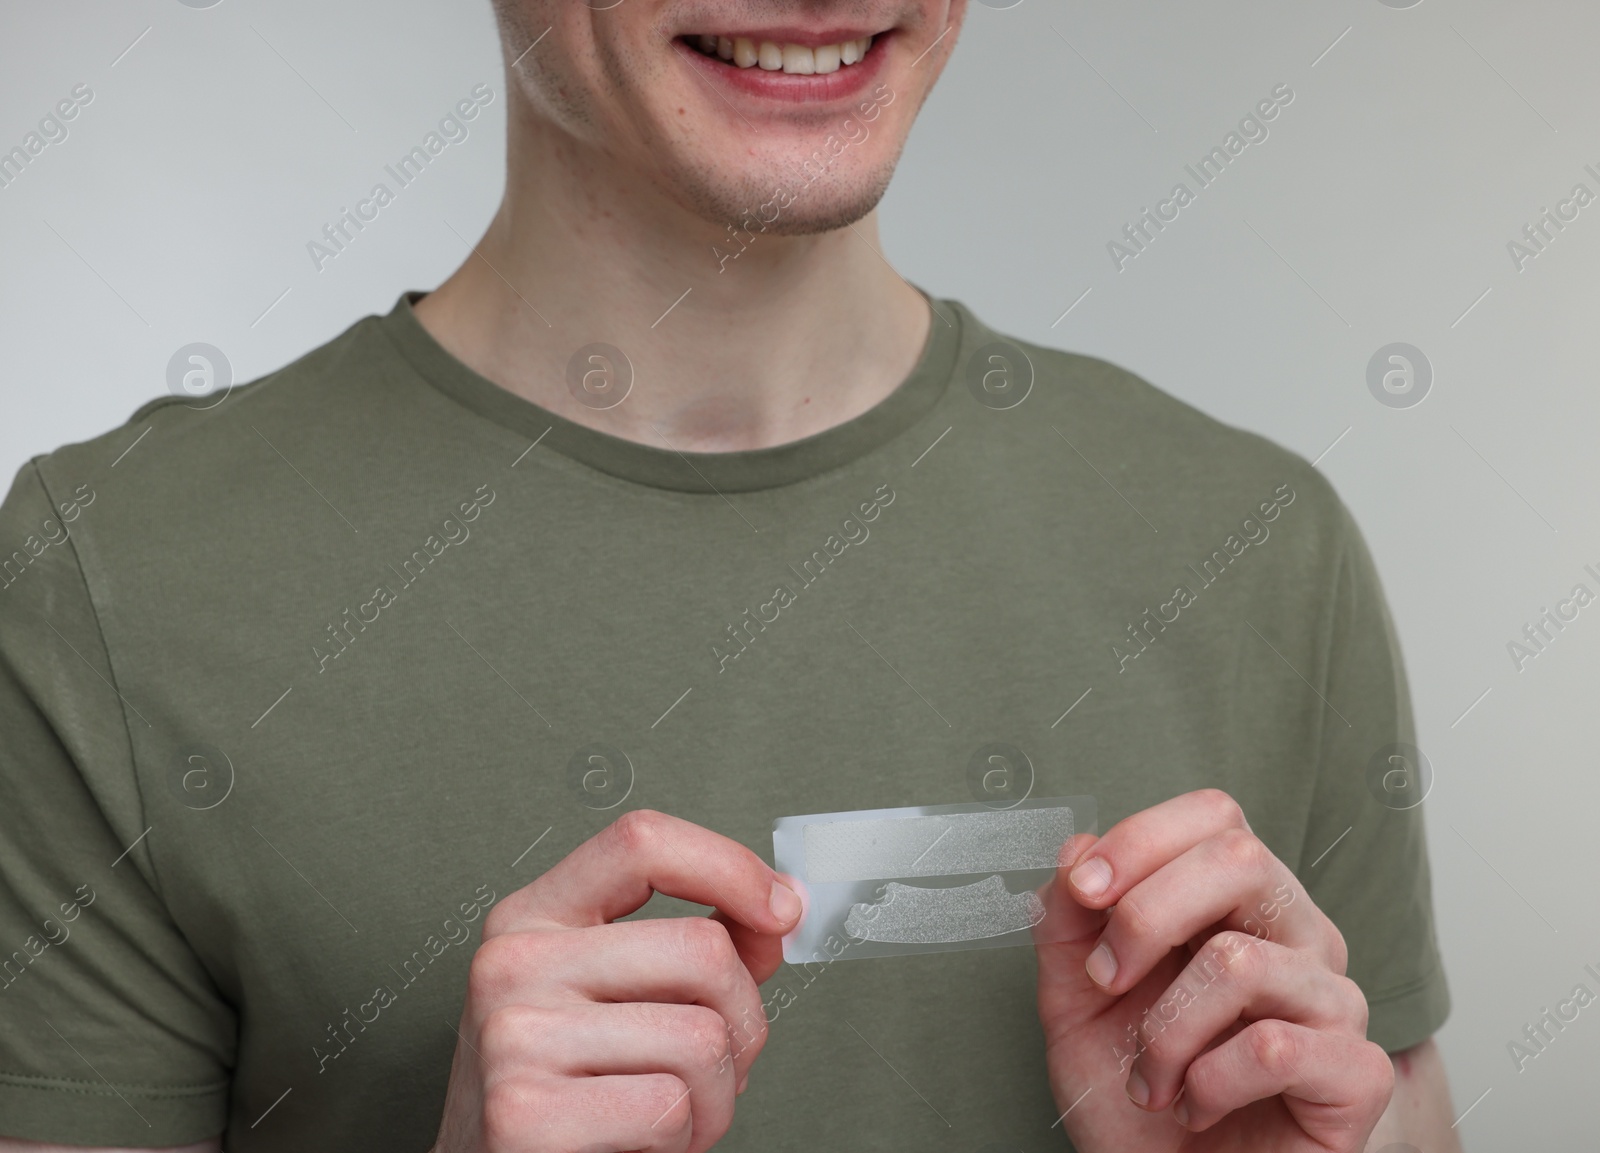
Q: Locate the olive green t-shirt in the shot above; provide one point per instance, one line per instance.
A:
(296, 684)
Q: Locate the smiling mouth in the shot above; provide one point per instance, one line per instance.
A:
(771, 56)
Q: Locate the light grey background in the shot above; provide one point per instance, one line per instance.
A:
(1420, 141)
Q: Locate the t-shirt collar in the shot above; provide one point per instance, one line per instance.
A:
(688, 471)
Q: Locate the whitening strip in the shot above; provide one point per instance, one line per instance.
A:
(924, 879)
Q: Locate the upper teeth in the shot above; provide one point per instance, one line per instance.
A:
(795, 58)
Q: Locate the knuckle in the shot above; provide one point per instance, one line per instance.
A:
(1358, 1008)
(1338, 952)
(1227, 952)
(1129, 840)
(1245, 963)
(706, 946)
(505, 1030)
(1273, 1045)
(635, 830)
(707, 1035)
(1381, 1067)
(694, 1030)
(1243, 850)
(495, 921)
(495, 968)
(664, 1095)
(1221, 807)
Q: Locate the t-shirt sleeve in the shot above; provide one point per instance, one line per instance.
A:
(111, 1030)
(1365, 857)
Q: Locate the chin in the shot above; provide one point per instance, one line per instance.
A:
(826, 213)
(794, 197)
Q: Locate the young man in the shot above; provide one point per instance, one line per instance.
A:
(339, 723)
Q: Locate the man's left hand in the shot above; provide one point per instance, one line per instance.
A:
(1203, 1006)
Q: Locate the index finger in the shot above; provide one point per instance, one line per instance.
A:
(1135, 847)
(615, 871)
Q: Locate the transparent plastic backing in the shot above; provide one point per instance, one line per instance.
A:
(926, 878)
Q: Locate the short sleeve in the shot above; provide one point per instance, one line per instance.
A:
(1365, 859)
(111, 1030)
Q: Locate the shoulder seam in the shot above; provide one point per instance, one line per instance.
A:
(1330, 639)
(150, 406)
(122, 707)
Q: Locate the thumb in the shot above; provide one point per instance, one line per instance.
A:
(762, 953)
(1063, 941)
(1065, 920)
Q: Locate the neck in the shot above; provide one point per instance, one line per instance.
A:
(795, 335)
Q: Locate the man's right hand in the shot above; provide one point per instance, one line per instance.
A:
(583, 1034)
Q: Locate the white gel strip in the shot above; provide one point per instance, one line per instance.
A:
(925, 878)
(913, 915)
(981, 842)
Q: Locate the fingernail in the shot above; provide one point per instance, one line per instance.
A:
(744, 1083)
(1180, 1110)
(1091, 878)
(784, 902)
(1102, 966)
(1138, 1092)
